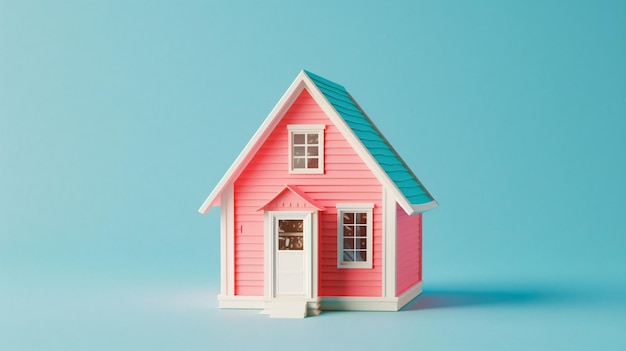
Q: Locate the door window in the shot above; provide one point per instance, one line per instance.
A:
(290, 234)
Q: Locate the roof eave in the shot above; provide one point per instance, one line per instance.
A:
(418, 208)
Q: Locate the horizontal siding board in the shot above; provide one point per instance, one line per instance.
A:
(342, 163)
(247, 216)
(250, 268)
(252, 277)
(247, 247)
(341, 197)
(244, 290)
(248, 254)
(298, 178)
(250, 239)
(264, 182)
(375, 189)
(257, 261)
(373, 291)
(251, 284)
(353, 275)
(346, 283)
(330, 264)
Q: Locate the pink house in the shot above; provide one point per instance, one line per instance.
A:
(319, 212)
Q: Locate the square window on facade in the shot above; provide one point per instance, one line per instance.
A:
(306, 148)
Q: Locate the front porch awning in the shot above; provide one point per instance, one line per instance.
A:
(291, 198)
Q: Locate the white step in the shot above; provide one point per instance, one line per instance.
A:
(288, 309)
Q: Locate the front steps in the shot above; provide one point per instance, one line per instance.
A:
(291, 308)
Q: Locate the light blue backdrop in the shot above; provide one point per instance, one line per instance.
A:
(118, 117)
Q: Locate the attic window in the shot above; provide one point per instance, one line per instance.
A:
(306, 148)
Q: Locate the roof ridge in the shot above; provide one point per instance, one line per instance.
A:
(323, 80)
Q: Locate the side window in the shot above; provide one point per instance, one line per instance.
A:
(354, 239)
(306, 148)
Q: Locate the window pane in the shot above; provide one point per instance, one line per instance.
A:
(298, 151)
(362, 218)
(312, 138)
(348, 217)
(290, 234)
(361, 256)
(348, 256)
(291, 225)
(298, 163)
(361, 243)
(348, 243)
(361, 230)
(311, 151)
(348, 230)
(312, 163)
(298, 138)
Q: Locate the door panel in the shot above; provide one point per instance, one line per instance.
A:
(291, 252)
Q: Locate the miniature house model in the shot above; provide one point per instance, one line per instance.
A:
(319, 212)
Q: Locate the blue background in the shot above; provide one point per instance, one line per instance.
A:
(117, 118)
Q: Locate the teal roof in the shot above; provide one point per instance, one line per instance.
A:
(373, 140)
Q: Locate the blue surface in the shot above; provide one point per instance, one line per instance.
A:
(117, 119)
(373, 140)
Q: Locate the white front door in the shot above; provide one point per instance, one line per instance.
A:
(292, 246)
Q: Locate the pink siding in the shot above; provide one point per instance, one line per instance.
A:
(346, 180)
(409, 250)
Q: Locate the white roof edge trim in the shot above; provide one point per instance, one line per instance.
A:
(424, 207)
(296, 86)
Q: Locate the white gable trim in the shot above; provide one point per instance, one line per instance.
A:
(301, 82)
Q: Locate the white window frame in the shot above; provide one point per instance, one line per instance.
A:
(307, 129)
(362, 208)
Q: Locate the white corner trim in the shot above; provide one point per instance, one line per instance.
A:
(268, 256)
(384, 244)
(227, 242)
(389, 244)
